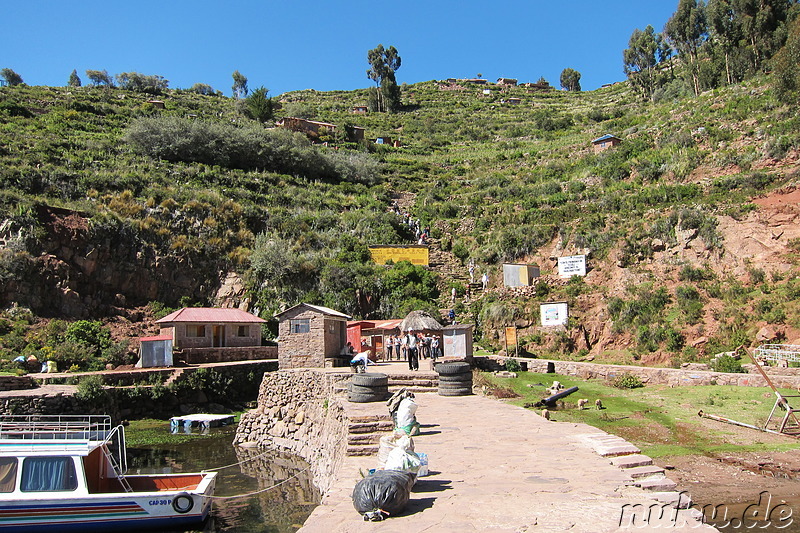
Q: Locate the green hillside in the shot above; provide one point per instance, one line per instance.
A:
(111, 203)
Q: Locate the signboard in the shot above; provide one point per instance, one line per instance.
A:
(554, 313)
(519, 275)
(416, 254)
(511, 336)
(572, 265)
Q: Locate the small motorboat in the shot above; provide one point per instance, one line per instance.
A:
(68, 473)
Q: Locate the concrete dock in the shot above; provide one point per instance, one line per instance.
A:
(496, 467)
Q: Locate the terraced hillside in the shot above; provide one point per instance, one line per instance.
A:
(115, 208)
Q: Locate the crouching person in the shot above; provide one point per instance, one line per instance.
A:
(360, 362)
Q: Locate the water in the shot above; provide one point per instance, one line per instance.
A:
(282, 509)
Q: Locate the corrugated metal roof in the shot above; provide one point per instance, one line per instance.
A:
(156, 338)
(210, 314)
(606, 137)
(319, 309)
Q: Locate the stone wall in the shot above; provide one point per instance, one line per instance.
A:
(196, 356)
(781, 377)
(16, 383)
(302, 350)
(298, 412)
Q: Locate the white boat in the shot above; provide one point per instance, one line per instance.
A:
(68, 473)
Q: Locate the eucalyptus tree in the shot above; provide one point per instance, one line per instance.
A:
(383, 63)
(11, 77)
(571, 79)
(100, 77)
(687, 31)
(239, 87)
(641, 58)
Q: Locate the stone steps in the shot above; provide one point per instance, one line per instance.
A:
(364, 433)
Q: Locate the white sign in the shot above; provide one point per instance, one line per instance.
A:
(572, 265)
(554, 314)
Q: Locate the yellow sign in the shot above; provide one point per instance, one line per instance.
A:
(511, 336)
(415, 254)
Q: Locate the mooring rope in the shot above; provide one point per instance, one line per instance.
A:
(239, 463)
(258, 491)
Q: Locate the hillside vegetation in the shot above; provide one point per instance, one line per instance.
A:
(112, 203)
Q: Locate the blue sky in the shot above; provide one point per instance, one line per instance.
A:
(296, 45)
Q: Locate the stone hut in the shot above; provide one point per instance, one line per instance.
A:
(605, 142)
(208, 327)
(310, 336)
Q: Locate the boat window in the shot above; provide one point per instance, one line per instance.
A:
(44, 474)
(8, 473)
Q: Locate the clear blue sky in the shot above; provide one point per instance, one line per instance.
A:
(323, 45)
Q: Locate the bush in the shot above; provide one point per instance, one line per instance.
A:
(512, 365)
(627, 381)
(91, 391)
(726, 363)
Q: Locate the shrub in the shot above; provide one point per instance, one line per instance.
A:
(627, 381)
(91, 391)
(512, 365)
(726, 363)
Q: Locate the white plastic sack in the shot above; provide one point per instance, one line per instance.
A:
(406, 413)
(404, 461)
(397, 440)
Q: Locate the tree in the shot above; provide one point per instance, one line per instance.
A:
(640, 60)
(571, 79)
(383, 63)
(239, 85)
(259, 106)
(202, 88)
(723, 30)
(687, 31)
(786, 65)
(12, 78)
(100, 77)
(74, 80)
(762, 24)
(142, 83)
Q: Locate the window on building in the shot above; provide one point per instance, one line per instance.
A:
(194, 330)
(299, 325)
(48, 474)
(8, 473)
(243, 331)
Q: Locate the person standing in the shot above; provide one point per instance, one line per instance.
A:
(435, 349)
(389, 347)
(404, 346)
(413, 354)
(485, 280)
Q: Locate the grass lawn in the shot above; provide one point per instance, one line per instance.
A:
(659, 419)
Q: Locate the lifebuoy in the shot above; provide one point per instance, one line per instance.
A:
(182, 503)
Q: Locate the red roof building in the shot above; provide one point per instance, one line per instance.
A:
(211, 327)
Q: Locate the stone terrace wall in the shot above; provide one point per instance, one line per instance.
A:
(16, 383)
(196, 356)
(298, 412)
(784, 378)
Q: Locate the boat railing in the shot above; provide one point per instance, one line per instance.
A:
(55, 427)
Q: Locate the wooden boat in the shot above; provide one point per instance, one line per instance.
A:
(68, 473)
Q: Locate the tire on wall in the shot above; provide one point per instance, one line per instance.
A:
(463, 391)
(365, 398)
(464, 376)
(358, 389)
(452, 368)
(370, 379)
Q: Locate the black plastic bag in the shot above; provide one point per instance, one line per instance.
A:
(382, 494)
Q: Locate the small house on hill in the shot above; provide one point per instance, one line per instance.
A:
(312, 128)
(508, 82)
(361, 109)
(311, 336)
(207, 327)
(605, 142)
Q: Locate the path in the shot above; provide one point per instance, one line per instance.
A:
(494, 468)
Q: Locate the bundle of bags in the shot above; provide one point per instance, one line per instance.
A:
(386, 491)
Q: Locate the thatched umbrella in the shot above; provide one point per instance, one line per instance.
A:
(419, 321)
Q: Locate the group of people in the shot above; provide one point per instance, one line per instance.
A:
(411, 346)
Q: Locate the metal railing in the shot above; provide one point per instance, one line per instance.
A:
(778, 352)
(55, 427)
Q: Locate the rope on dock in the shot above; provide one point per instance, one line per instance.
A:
(258, 491)
(239, 463)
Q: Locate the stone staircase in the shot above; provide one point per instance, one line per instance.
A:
(640, 468)
(364, 433)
